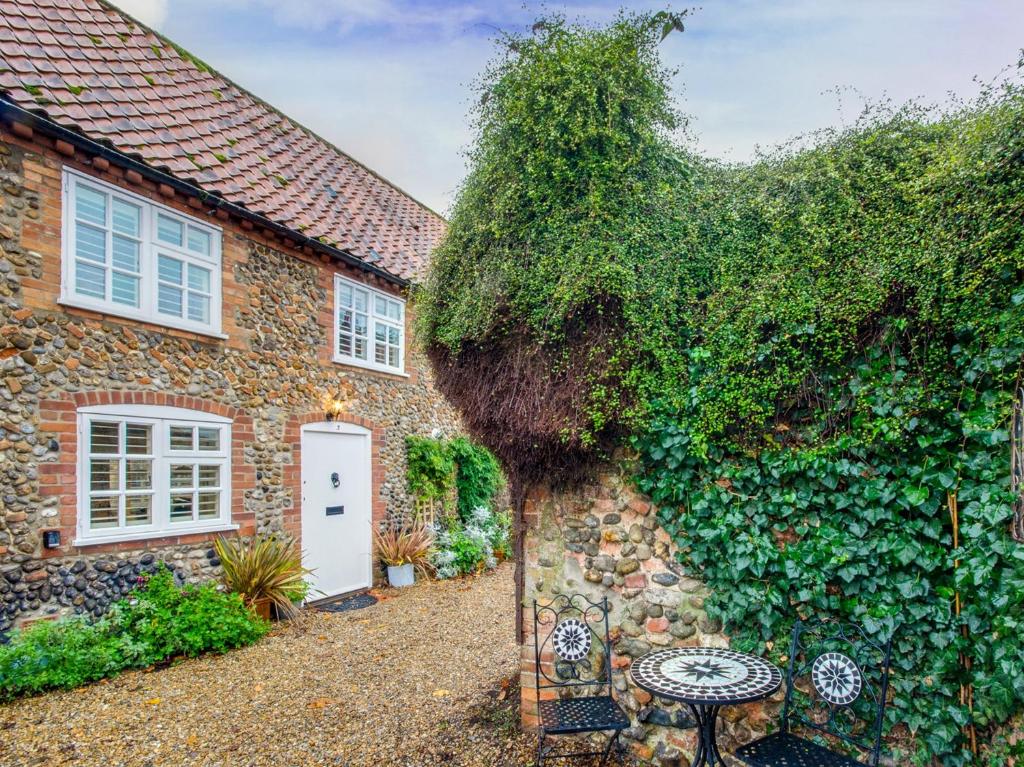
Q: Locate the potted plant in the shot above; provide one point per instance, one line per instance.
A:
(404, 550)
(267, 572)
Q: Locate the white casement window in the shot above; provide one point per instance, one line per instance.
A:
(369, 327)
(147, 471)
(128, 256)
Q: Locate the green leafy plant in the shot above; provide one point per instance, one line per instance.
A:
(430, 468)
(478, 476)
(264, 567)
(464, 547)
(411, 545)
(159, 621)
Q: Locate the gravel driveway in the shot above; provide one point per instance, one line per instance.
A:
(414, 680)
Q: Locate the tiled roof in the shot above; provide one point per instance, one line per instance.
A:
(91, 68)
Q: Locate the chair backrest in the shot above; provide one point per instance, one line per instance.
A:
(837, 683)
(571, 640)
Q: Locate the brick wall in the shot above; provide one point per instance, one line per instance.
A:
(272, 374)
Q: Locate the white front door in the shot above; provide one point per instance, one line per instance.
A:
(336, 512)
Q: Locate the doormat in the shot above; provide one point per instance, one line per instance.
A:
(344, 604)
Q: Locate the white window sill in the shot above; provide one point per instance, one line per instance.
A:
(369, 366)
(95, 540)
(127, 314)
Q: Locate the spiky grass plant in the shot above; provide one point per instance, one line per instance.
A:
(264, 567)
(410, 545)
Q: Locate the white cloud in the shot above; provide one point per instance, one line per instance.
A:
(389, 80)
(152, 13)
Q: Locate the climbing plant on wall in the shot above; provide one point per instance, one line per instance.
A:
(815, 354)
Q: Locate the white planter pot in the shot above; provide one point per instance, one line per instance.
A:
(402, 575)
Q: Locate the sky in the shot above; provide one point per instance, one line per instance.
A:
(390, 82)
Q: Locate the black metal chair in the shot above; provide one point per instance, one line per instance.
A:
(836, 686)
(574, 658)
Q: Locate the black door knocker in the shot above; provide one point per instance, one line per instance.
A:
(335, 479)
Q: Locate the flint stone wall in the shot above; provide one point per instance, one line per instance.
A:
(603, 540)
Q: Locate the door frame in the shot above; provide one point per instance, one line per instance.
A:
(342, 427)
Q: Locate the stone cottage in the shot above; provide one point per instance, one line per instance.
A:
(204, 320)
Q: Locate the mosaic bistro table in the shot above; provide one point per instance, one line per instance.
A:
(705, 679)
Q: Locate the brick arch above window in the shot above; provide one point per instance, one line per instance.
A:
(58, 471)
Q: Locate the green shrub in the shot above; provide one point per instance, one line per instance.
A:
(160, 621)
(478, 476)
(466, 547)
(437, 467)
(430, 468)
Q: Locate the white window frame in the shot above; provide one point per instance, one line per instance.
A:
(161, 420)
(149, 251)
(373, 320)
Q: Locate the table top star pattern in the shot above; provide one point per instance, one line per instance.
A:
(706, 675)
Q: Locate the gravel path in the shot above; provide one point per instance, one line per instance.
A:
(412, 681)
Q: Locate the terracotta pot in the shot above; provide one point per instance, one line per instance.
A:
(262, 607)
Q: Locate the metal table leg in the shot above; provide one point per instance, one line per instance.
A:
(707, 746)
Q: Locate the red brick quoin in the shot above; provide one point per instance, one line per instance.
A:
(59, 419)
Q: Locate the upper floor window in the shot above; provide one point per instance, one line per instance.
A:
(126, 255)
(146, 471)
(369, 327)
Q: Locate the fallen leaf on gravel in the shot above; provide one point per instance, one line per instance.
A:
(441, 693)
(321, 702)
(153, 701)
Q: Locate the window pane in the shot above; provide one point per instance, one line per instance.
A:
(209, 439)
(124, 289)
(380, 332)
(209, 505)
(125, 254)
(138, 509)
(181, 507)
(169, 300)
(379, 353)
(345, 321)
(181, 438)
(344, 296)
(170, 270)
(380, 306)
(90, 205)
(344, 344)
(199, 240)
(104, 475)
(393, 356)
(360, 300)
(360, 325)
(138, 475)
(125, 217)
(103, 512)
(91, 243)
(198, 308)
(209, 476)
(90, 280)
(198, 278)
(139, 438)
(360, 349)
(169, 230)
(394, 310)
(105, 437)
(394, 336)
(182, 475)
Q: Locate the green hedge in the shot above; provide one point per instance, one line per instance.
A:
(159, 622)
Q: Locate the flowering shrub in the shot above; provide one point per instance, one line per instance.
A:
(464, 547)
